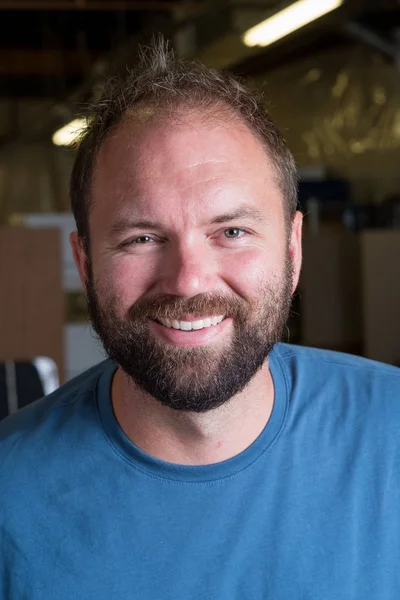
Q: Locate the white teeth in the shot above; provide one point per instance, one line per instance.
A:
(192, 325)
(201, 324)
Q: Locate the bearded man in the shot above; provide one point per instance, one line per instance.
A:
(204, 458)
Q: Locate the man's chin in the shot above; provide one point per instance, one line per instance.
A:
(188, 361)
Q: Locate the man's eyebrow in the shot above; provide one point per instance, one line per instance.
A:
(243, 212)
(125, 225)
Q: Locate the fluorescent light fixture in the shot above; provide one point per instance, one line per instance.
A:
(68, 134)
(288, 20)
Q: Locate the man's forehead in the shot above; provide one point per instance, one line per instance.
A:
(135, 132)
(136, 152)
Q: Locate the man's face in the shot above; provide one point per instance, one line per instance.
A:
(191, 271)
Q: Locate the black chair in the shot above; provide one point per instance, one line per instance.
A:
(23, 382)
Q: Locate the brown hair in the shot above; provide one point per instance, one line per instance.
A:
(170, 85)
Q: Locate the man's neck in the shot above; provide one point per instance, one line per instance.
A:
(193, 438)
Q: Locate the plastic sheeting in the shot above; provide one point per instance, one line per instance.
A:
(342, 109)
(33, 178)
(362, 112)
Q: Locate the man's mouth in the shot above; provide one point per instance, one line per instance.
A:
(192, 325)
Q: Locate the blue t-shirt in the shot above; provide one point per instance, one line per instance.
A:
(311, 510)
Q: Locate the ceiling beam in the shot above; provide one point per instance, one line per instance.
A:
(95, 5)
(37, 87)
(22, 62)
(371, 38)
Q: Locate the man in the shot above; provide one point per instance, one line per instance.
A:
(205, 460)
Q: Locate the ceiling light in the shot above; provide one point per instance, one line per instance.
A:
(68, 134)
(288, 20)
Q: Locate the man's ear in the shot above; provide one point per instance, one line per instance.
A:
(295, 247)
(80, 256)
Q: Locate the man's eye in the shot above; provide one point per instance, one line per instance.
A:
(234, 232)
(143, 239)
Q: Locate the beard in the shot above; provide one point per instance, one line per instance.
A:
(196, 379)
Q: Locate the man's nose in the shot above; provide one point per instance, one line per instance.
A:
(188, 270)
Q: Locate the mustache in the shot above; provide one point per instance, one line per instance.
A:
(168, 306)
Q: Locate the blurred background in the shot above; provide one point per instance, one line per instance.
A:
(330, 72)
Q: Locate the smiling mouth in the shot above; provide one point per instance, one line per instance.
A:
(192, 325)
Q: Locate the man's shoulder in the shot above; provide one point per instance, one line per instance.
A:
(334, 359)
(339, 369)
(346, 404)
(37, 419)
(43, 446)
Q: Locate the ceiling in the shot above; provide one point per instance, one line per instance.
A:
(47, 47)
(53, 50)
(372, 22)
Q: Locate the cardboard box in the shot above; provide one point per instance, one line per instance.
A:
(31, 295)
(330, 289)
(381, 294)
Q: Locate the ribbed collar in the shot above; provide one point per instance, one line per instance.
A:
(192, 474)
